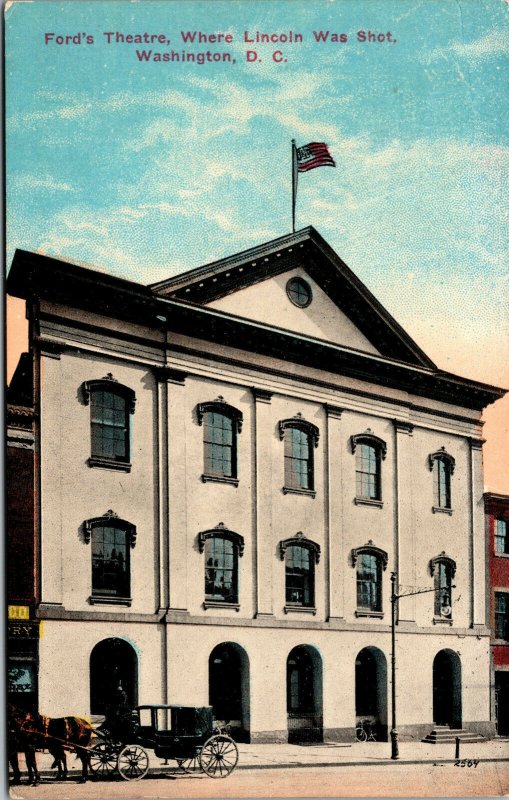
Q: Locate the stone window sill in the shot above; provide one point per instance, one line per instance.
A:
(291, 490)
(290, 608)
(109, 600)
(440, 510)
(107, 463)
(366, 501)
(361, 612)
(442, 621)
(220, 479)
(500, 555)
(219, 604)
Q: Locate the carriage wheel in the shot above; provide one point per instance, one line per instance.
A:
(132, 762)
(103, 759)
(219, 756)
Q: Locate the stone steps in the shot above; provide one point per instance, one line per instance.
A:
(443, 734)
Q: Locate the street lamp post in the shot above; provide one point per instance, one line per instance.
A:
(394, 732)
(395, 599)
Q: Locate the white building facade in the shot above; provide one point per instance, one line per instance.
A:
(231, 464)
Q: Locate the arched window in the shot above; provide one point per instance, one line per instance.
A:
(113, 668)
(443, 570)
(442, 465)
(112, 539)
(369, 451)
(300, 556)
(371, 690)
(229, 687)
(222, 551)
(300, 437)
(304, 695)
(370, 562)
(222, 423)
(111, 404)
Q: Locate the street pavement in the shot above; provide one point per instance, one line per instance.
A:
(381, 779)
(332, 754)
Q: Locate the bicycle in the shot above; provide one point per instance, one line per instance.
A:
(364, 731)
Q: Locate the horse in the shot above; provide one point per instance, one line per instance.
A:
(57, 734)
(19, 741)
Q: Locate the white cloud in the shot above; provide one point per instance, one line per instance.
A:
(47, 182)
(493, 44)
(170, 209)
(91, 227)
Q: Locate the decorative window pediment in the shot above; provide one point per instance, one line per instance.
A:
(442, 465)
(369, 562)
(222, 531)
(299, 540)
(111, 405)
(369, 452)
(442, 559)
(442, 455)
(443, 570)
(219, 406)
(300, 556)
(299, 436)
(370, 549)
(369, 438)
(222, 549)
(221, 425)
(108, 384)
(302, 425)
(110, 519)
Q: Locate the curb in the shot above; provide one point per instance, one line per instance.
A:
(75, 774)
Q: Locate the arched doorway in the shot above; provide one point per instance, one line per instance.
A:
(371, 691)
(304, 695)
(113, 663)
(229, 687)
(447, 689)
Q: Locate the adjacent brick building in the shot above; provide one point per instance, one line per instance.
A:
(497, 529)
(22, 550)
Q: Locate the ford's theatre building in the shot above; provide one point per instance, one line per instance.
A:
(229, 465)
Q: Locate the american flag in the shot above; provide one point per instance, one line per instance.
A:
(312, 155)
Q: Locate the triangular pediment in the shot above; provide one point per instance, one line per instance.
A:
(254, 285)
(269, 301)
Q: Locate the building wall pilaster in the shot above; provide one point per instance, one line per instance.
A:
(404, 516)
(477, 535)
(50, 455)
(334, 556)
(262, 502)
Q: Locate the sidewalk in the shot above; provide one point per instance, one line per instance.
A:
(333, 754)
(267, 756)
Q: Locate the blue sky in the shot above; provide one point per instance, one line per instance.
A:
(147, 169)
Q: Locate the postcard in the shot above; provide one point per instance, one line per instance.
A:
(257, 423)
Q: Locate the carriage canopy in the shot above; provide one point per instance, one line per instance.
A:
(180, 720)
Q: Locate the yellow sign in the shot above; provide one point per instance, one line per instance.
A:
(19, 612)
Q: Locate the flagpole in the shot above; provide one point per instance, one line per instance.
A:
(294, 182)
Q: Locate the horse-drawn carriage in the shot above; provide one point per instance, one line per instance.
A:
(183, 734)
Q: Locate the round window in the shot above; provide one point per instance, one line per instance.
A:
(299, 292)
